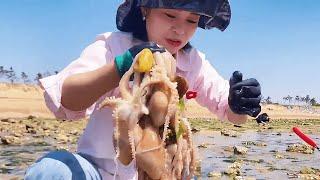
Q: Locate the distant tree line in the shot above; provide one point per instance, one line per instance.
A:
(294, 100)
(10, 75)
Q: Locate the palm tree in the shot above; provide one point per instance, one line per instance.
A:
(268, 100)
(38, 76)
(302, 99)
(297, 98)
(290, 99)
(285, 99)
(1, 70)
(11, 75)
(313, 101)
(25, 78)
(307, 99)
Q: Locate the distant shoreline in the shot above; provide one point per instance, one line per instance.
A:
(23, 100)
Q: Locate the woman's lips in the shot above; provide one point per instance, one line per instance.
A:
(174, 43)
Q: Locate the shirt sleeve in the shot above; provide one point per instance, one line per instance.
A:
(93, 57)
(212, 90)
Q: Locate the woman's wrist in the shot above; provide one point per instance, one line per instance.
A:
(236, 118)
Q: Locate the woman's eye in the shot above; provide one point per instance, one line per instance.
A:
(169, 15)
(192, 21)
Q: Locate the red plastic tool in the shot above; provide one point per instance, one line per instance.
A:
(304, 137)
(191, 94)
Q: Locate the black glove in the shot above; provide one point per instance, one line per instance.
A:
(244, 95)
(263, 118)
(123, 62)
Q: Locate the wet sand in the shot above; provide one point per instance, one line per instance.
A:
(28, 130)
(266, 157)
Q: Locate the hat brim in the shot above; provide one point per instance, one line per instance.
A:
(213, 13)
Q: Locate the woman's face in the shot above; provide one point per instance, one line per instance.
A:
(171, 28)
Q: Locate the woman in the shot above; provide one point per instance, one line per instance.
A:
(77, 90)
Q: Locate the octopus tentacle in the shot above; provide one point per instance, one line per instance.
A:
(149, 110)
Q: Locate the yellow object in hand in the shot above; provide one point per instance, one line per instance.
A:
(145, 61)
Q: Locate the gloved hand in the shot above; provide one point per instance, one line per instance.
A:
(123, 62)
(244, 95)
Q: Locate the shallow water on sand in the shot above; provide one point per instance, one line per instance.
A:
(267, 161)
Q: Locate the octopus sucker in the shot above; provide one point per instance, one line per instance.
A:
(147, 110)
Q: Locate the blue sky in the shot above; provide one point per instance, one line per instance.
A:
(277, 42)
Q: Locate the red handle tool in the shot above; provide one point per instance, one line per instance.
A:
(306, 138)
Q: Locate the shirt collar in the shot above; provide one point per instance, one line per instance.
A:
(183, 61)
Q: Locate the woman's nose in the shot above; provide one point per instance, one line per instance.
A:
(178, 29)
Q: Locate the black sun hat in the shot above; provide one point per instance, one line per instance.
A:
(213, 13)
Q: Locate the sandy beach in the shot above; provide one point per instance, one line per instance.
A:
(20, 100)
(28, 130)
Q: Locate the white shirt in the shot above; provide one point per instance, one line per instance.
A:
(96, 141)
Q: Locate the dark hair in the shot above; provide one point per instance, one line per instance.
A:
(142, 34)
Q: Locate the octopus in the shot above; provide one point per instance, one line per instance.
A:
(148, 109)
